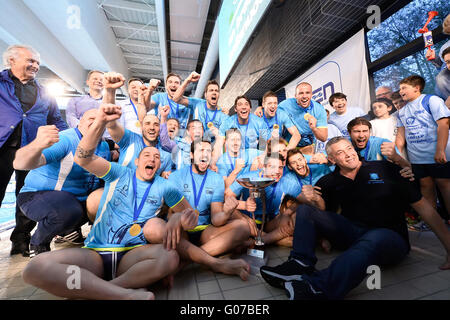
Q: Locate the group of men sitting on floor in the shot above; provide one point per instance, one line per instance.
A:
(172, 195)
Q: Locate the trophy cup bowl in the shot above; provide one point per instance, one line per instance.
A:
(256, 257)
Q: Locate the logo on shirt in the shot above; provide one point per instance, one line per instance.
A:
(410, 120)
(374, 178)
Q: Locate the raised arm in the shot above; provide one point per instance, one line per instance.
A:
(178, 96)
(295, 139)
(113, 81)
(84, 156)
(400, 139)
(31, 157)
(388, 150)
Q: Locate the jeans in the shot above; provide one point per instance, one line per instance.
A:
(363, 247)
(21, 233)
(57, 213)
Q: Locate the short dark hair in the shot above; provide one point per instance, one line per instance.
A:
(134, 79)
(194, 143)
(396, 95)
(241, 97)
(446, 51)
(211, 83)
(386, 101)
(173, 74)
(274, 155)
(414, 80)
(337, 95)
(269, 94)
(358, 121)
(193, 121)
(232, 130)
(293, 152)
(334, 140)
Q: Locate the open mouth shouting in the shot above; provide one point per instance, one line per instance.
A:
(361, 142)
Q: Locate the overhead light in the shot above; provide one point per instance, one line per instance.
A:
(55, 88)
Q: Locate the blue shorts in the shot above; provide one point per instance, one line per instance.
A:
(111, 260)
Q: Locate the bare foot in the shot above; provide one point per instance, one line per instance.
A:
(446, 265)
(285, 242)
(233, 266)
(140, 294)
(248, 244)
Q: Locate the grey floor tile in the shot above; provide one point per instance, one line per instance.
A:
(208, 287)
(430, 284)
(212, 296)
(401, 291)
(236, 282)
(442, 295)
(255, 292)
(17, 292)
(184, 286)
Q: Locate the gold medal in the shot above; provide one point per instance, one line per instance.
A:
(138, 124)
(210, 125)
(306, 116)
(197, 212)
(276, 126)
(134, 230)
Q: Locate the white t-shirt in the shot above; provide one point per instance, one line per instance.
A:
(129, 119)
(384, 128)
(341, 120)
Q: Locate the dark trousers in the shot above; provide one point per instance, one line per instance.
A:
(363, 247)
(57, 212)
(21, 232)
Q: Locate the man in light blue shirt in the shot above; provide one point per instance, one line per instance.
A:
(55, 190)
(308, 115)
(216, 232)
(117, 259)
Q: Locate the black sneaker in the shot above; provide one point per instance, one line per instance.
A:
(302, 290)
(20, 248)
(287, 271)
(75, 237)
(35, 250)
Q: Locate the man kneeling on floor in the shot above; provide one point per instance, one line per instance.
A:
(116, 259)
(371, 228)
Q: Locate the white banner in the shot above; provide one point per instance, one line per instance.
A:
(343, 70)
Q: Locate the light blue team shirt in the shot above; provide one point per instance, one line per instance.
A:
(296, 113)
(421, 128)
(202, 113)
(177, 110)
(182, 155)
(115, 212)
(213, 191)
(341, 120)
(291, 184)
(281, 118)
(60, 172)
(226, 163)
(251, 132)
(132, 144)
(238, 190)
(372, 151)
(333, 131)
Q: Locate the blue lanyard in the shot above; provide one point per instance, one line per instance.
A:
(300, 180)
(137, 211)
(367, 149)
(171, 110)
(246, 128)
(134, 107)
(231, 161)
(198, 195)
(267, 121)
(206, 115)
(78, 133)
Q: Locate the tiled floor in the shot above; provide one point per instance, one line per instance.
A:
(417, 277)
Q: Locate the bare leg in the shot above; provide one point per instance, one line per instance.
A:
(427, 189)
(275, 233)
(145, 265)
(92, 203)
(52, 272)
(432, 218)
(154, 230)
(219, 240)
(189, 251)
(444, 187)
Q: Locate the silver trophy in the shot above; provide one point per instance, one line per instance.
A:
(256, 257)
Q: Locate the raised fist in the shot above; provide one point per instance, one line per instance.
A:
(46, 136)
(113, 80)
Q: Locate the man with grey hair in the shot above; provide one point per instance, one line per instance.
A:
(370, 230)
(25, 106)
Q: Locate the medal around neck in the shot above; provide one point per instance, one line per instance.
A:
(134, 230)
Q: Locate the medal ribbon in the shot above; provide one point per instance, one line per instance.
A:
(367, 149)
(300, 180)
(134, 108)
(267, 121)
(246, 129)
(171, 110)
(137, 211)
(198, 196)
(206, 115)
